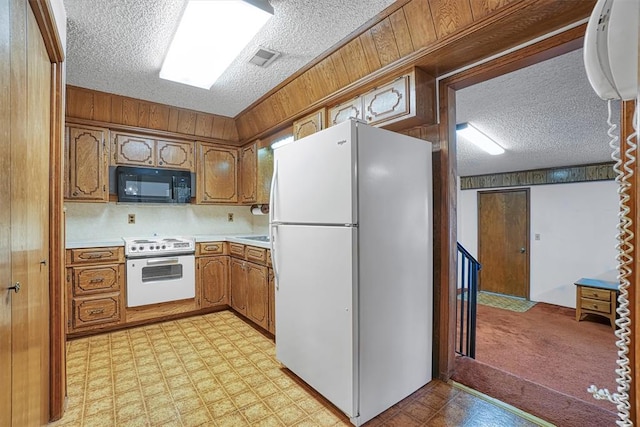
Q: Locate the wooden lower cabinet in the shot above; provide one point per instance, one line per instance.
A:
(252, 285)
(213, 280)
(258, 294)
(95, 296)
(239, 285)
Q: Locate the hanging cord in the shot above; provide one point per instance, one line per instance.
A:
(624, 247)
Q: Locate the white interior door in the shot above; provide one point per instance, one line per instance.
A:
(315, 309)
(314, 178)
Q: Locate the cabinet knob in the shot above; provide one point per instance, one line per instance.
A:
(15, 288)
(160, 163)
(75, 193)
(150, 162)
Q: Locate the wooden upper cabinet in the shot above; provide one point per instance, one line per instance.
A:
(309, 125)
(175, 155)
(217, 174)
(138, 150)
(387, 102)
(264, 175)
(133, 150)
(248, 168)
(407, 101)
(351, 109)
(87, 167)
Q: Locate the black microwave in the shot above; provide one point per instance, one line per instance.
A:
(147, 185)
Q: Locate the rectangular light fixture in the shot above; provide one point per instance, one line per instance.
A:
(210, 36)
(479, 139)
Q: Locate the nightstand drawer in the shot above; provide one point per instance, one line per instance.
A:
(601, 294)
(595, 305)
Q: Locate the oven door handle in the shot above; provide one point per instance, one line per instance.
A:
(162, 261)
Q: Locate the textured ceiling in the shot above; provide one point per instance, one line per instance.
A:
(118, 46)
(544, 115)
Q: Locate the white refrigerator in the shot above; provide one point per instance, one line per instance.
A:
(351, 236)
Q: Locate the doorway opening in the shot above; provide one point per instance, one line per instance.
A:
(535, 235)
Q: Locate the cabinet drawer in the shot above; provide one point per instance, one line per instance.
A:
(600, 294)
(210, 248)
(256, 254)
(93, 255)
(91, 280)
(96, 311)
(595, 305)
(236, 249)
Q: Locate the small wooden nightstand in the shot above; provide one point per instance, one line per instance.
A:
(595, 296)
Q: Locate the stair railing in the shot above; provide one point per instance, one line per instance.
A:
(467, 300)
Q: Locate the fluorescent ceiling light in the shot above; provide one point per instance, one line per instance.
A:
(282, 142)
(209, 37)
(479, 139)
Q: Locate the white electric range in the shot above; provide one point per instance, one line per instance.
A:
(159, 269)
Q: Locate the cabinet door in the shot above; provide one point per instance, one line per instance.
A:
(239, 286)
(265, 173)
(387, 102)
(348, 110)
(213, 273)
(217, 174)
(272, 302)
(309, 125)
(258, 294)
(174, 155)
(248, 168)
(133, 150)
(87, 168)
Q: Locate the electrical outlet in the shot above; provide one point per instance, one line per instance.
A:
(230, 217)
(131, 218)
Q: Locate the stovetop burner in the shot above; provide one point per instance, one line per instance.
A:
(158, 246)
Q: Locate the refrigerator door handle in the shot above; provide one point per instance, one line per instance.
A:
(272, 226)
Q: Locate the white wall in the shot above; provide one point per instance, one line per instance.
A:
(100, 221)
(577, 227)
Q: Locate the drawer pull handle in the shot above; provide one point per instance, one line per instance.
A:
(94, 256)
(97, 280)
(212, 248)
(96, 311)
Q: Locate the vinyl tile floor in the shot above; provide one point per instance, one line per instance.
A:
(217, 370)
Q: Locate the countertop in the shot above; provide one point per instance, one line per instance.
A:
(200, 238)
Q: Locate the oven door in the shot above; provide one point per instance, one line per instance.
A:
(161, 279)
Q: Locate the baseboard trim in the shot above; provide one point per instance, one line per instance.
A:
(519, 412)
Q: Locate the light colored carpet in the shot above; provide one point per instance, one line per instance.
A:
(504, 302)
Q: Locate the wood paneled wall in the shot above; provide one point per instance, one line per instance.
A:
(120, 110)
(437, 35)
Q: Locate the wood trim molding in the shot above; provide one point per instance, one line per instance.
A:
(57, 352)
(562, 175)
(46, 22)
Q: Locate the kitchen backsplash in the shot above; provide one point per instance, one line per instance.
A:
(98, 221)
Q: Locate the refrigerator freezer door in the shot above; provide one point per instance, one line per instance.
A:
(314, 178)
(315, 312)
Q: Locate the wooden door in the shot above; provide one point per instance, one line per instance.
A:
(351, 109)
(174, 155)
(249, 164)
(5, 211)
(503, 241)
(27, 231)
(238, 291)
(217, 174)
(258, 294)
(133, 150)
(213, 273)
(87, 168)
(309, 125)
